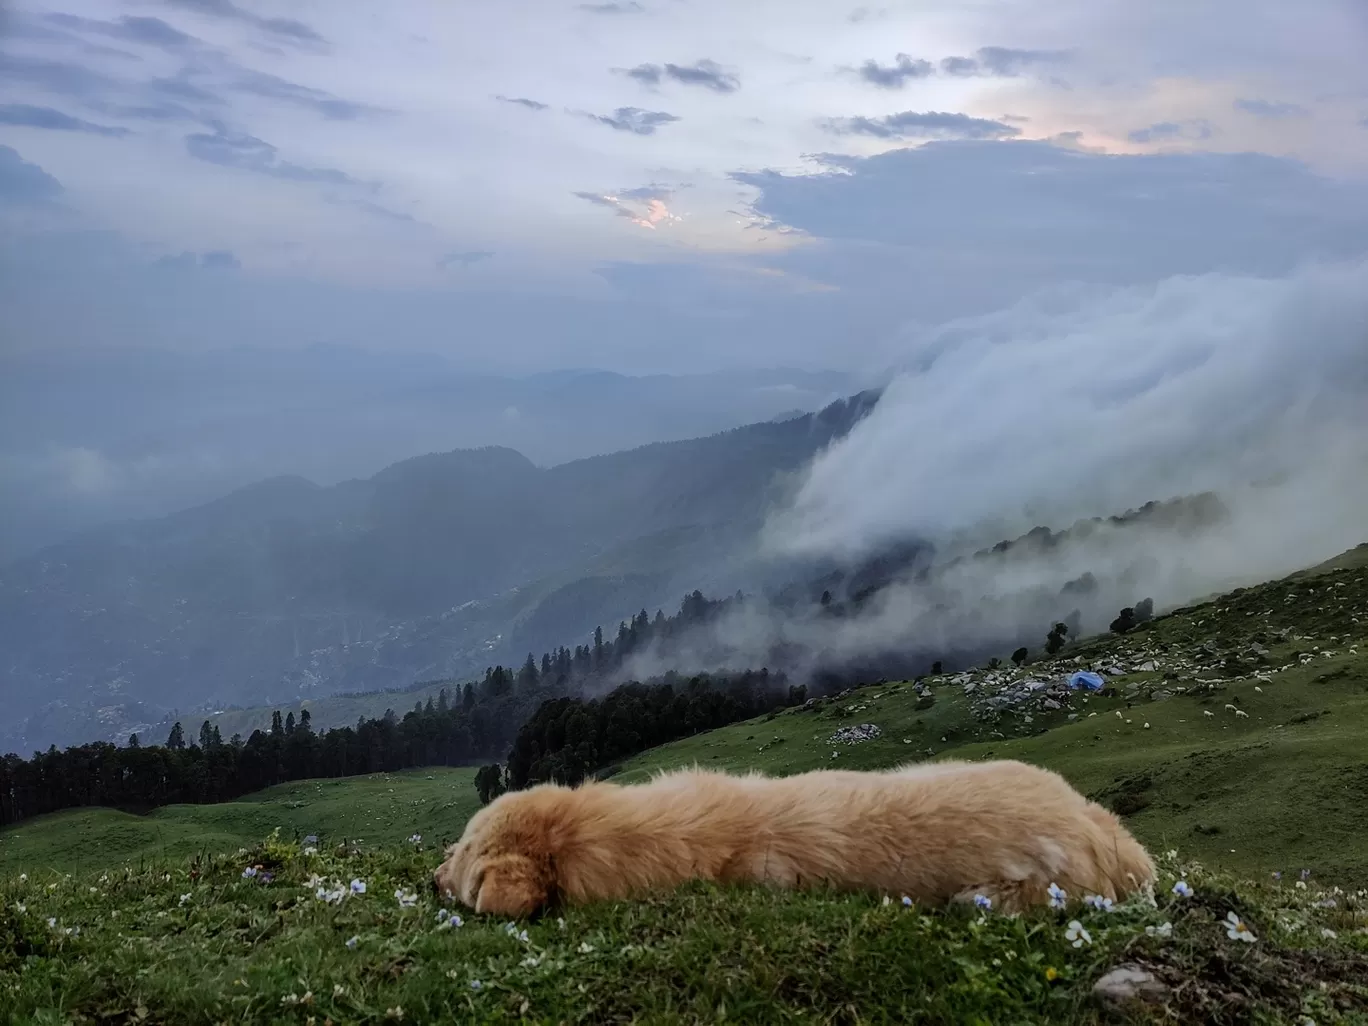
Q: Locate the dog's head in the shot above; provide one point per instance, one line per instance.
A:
(503, 863)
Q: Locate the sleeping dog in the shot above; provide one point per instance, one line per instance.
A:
(935, 832)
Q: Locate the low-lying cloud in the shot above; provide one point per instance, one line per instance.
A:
(1076, 404)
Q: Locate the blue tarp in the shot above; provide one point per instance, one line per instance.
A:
(1086, 679)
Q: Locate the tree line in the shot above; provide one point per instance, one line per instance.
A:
(466, 724)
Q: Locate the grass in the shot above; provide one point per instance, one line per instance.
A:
(202, 943)
(378, 809)
(170, 930)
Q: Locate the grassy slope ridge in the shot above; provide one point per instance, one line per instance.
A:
(1277, 788)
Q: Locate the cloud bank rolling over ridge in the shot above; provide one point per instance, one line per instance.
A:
(1077, 403)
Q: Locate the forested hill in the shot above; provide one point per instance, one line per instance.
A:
(287, 590)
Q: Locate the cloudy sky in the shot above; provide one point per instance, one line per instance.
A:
(653, 184)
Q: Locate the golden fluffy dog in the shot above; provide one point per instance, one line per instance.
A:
(937, 832)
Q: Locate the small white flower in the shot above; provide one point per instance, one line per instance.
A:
(1077, 935)
(416, 839)
(585, 948)
(352, 942)
(1182, 889)
(886, 900)
(1163, 931)
(315, 880)
(358, 886)
(1098, 902)
(406, 899)
(1058, 897)
(249, 872)
(1329, 934)
(475, 985)
(23, 878)
(185, 897)
(310, 850)
(983, 901)
(21, 908)
(52, 923)
(1207, 712)
(1236, 930)
(531, 961)
(1301, 885)
(338, 990)
(907, 902)
(560, 923)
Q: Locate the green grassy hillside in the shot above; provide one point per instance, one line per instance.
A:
(376, 810)
(1233, 737)
(1259, 763)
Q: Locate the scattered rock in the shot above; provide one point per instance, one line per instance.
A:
(1127, 985)
(856, 734)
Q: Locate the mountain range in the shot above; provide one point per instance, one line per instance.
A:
(436, 566)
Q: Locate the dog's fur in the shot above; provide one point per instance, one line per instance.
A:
(936, 832)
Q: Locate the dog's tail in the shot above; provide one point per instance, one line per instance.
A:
(1123, 865)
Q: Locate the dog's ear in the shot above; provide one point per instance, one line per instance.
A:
(512, 885)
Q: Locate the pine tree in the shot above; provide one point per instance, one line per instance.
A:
(176, 739)
(527, 676)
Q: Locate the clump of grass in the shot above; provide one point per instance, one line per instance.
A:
(280, 933)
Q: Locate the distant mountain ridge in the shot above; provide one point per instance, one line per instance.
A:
(285, 588)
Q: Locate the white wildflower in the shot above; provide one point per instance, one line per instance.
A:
(1163, 931)
(1236, 930)
(358, 886)
(185, 897)
(406, 899)
(352, 942)
(1077, 935)
(1182, 889)
(1058, 897)
(983, 901)
(585, 948)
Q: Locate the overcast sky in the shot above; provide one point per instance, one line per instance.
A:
(653, 184)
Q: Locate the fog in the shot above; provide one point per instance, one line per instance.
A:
(1251, 393)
